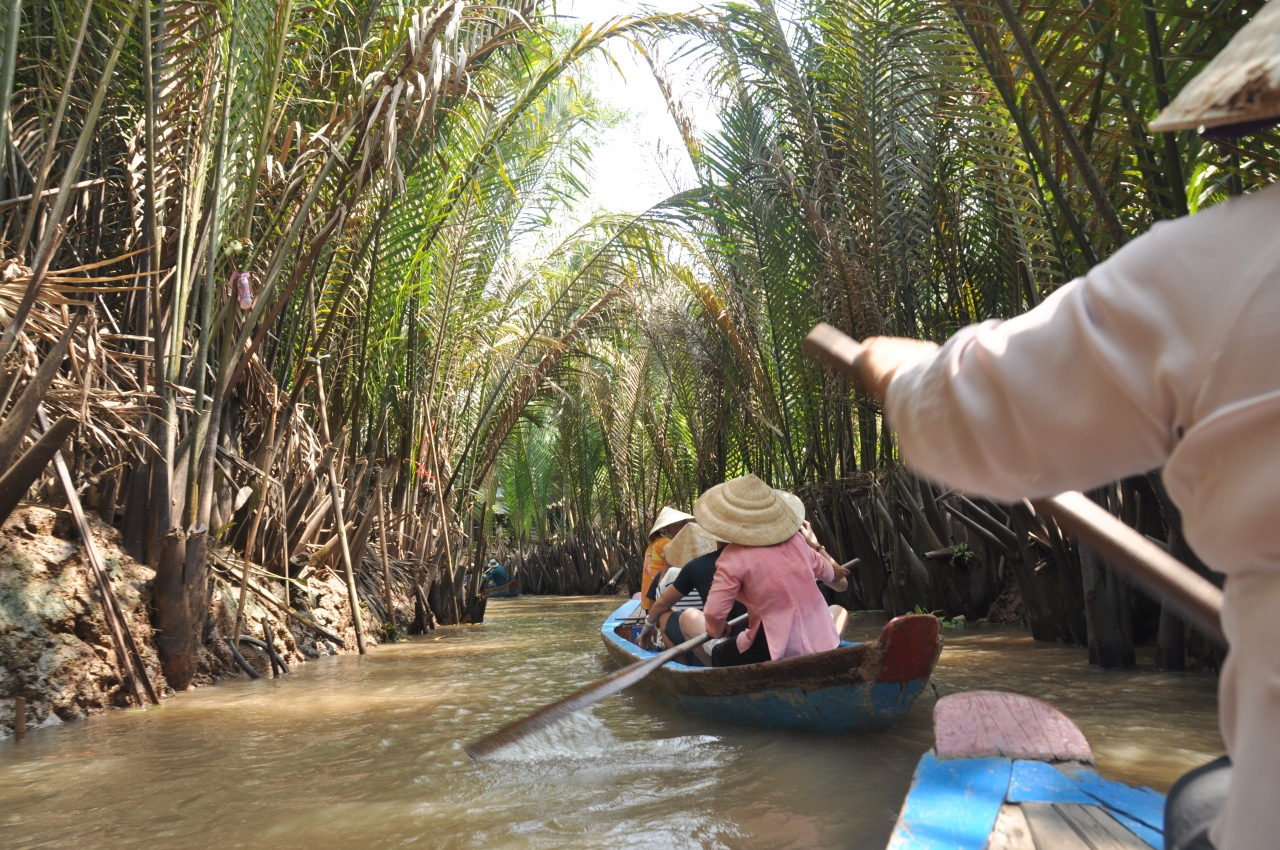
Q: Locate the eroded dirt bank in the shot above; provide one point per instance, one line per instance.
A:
(56, 649)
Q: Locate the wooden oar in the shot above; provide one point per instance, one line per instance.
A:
(583, 697)
(1197, 599)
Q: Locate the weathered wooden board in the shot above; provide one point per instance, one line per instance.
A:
(985, 724)
(1011, 831)
(1109, 823)
(1153, 837)
(1099, 830)
(1052, 799)
(906, 643)
(1051, 830)
(952, 804)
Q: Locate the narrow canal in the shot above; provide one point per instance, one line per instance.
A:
(367, 752)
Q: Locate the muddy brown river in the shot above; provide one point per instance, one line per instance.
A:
(366, 752)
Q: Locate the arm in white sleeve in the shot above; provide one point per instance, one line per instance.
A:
(1090, 386)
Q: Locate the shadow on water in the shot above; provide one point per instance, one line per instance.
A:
(367, 752)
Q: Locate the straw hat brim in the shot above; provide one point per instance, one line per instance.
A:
(668, 516)
(793, 501)
(1241, 85)
(746, 511)
(691, 542)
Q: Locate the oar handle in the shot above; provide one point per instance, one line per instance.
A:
(1195, 597)
(583, 697)
(834, 348)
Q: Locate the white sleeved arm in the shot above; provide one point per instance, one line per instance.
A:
(1090, 386)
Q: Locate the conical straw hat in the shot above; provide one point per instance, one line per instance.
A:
(1241, 85)
(793, 502)
(668, 516)
(691, 542)
(747, 511)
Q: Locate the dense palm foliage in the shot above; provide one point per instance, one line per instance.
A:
(904, 167)
(337, 226)
(895, 167)
(321, 239)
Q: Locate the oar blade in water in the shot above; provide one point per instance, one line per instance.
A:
(617, 681)
(576, 701)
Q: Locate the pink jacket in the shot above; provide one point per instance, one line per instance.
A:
(776, 583)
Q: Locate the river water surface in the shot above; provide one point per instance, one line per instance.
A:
(367, 752)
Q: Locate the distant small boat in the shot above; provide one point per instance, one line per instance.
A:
(1009, 772)
(504, 591)
(858, 687)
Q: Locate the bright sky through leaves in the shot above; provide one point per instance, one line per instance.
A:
(642, 160)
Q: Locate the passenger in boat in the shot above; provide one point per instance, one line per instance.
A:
(693, 554)
(1166, 355)
(839, 614)
(770, 566)
(668, 523)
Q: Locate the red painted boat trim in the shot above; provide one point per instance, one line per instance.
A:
(910, 648)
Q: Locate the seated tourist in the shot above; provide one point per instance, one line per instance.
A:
(668, 523)
(692, 554)
(839, 614)
(770, 566)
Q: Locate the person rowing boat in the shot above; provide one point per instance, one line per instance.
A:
(495, 577)
(1164, 355)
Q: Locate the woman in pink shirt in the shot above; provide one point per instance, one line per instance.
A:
(770, 565)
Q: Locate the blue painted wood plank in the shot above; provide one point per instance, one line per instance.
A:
(952, 805)
(1140, 804)
(1152, 836)
(1038, 782)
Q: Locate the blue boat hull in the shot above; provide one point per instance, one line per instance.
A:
(868, 707)
(837, 691)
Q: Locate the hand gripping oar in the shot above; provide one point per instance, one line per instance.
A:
(1198, 600)
(583, 697)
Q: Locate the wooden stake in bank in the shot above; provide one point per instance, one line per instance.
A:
(19, 718)
(1198, 600)
(335, 491)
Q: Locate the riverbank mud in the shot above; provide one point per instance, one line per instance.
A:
(55, 646)
(56, 649)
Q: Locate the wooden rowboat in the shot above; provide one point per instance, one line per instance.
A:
(503, 591)
(858, 687)
(1008, 772)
